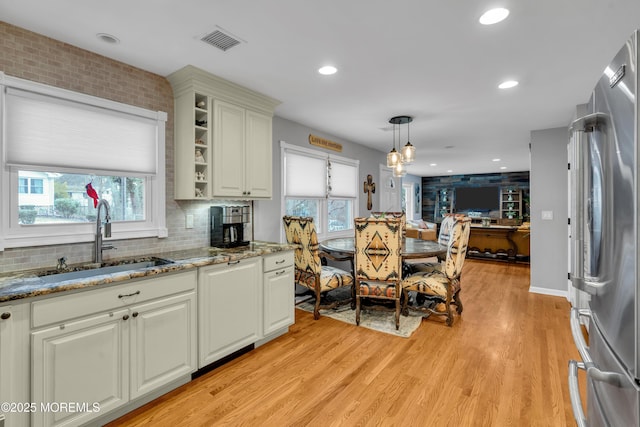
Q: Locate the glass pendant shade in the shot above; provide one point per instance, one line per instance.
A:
(393, 158)
(399, 170)
(408, 153)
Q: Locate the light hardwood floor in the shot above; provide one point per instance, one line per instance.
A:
(503, 363)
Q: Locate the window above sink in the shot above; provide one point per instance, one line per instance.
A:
(54, 142)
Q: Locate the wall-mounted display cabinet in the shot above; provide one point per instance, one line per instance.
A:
(510, 203)
(444, 203)
(223, 138)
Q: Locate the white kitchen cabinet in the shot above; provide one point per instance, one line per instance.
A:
(236, 140)
(258, 155)
(110, 346)
(81, 361)
(228, 150)
(279, 297)
(242, 152)
(14, 363)
(6, 338)
(192, 144)
(229, 308)
(163, 342)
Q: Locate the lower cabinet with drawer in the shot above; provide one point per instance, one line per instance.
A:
(99, 350)
(279, 292)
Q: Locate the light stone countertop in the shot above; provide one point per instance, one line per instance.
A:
(28, 284)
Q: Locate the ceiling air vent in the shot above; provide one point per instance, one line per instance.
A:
(221, 40)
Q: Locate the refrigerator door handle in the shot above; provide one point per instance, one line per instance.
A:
(592, 288)
(576, 331)
(574, 393)
(578, 129)
(596, 374)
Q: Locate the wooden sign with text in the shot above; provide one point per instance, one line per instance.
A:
(324, 143)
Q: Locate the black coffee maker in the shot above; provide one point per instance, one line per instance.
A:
(227, 225)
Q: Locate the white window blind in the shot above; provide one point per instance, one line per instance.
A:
(305, 175)
(45, 131)
(343, 180)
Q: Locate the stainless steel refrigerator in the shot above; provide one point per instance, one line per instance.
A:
(605, 236)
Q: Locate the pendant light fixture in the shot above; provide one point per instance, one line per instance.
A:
(408, 151)
(399, 169)
(395, 159)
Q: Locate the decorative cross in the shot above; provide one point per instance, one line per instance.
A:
(369, 188)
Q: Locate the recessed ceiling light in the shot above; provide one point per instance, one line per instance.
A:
(108, 38)
(433, 164)
(503, 167)
(495, 160)
(327, 70)
(450, 170)
(508, 84)
(493, 16)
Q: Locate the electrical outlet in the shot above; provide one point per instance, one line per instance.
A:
(189, 221)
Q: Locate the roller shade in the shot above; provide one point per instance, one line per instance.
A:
(45, 131)
(343, 180)
(305, 175)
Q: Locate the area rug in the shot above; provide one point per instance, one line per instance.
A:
(382, 321)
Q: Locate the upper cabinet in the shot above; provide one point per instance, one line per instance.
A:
(223, 138)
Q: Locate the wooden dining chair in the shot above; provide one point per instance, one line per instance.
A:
(378, 262)
(443, 238)
(442, 285)
(400, 214)
(309, 271)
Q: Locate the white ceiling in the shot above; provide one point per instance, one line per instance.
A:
(428, 59)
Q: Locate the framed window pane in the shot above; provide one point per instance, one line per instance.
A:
(36, 186)
(304, 207)
(56, 198)
(340, 214)
(23, 185)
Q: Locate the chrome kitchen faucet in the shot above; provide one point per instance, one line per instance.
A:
(98, 246)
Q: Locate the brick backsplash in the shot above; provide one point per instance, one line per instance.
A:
(31, 56)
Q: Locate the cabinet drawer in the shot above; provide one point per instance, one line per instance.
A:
(277, 260)
(66, 307)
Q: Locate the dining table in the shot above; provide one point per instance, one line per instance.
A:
(411, 248)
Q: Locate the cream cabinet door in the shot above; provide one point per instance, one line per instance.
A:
(6, 345)
(279, 299)
(228, 150)
(84, 362)
(258, 155)
(163, 342)
(229, 308)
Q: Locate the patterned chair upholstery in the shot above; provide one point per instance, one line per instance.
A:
(401, 215)
(443, 238)
(378, 261)
(309, 271)
(443, 285)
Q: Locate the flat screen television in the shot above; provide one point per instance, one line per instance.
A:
(477, 199)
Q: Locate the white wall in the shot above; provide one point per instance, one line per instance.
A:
(267, 216)
(548, 181)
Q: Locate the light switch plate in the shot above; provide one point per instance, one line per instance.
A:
(547, 215)
(189, 221)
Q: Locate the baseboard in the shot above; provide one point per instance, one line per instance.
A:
(547, 291)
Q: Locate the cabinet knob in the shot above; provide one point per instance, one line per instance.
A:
(125, 317)
(135, 314)
(5, 316)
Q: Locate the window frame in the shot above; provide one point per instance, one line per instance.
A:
(16, 235)
(322, 227)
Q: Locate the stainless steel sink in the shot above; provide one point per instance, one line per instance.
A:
(91, 270)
